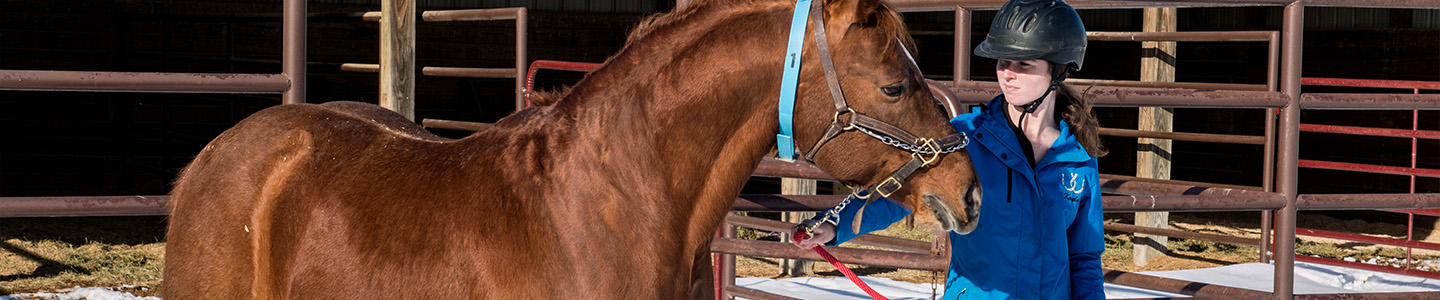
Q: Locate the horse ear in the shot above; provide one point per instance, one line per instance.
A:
(840, 14)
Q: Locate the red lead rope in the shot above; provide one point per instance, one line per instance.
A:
(801, 235)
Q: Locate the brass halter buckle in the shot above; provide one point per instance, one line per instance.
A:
(927, 144)
(848, 125)
(883, 186)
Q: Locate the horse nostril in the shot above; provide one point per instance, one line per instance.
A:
(972, 201)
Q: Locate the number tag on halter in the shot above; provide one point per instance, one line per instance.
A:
(785, 141)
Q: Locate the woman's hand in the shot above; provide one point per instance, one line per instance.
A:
(822, 234)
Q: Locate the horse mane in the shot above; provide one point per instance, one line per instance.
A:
(548, 97)
(884, 19)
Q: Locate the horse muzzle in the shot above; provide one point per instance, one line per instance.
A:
(962, 221)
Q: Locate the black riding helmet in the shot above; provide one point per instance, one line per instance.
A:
(1043, 29)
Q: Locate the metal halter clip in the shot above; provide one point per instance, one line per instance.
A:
(928, 144)
(857, 193)
(808, 226)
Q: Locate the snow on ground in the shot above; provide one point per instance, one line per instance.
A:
(80, 293)
(1309, 279)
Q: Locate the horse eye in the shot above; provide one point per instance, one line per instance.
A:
(894, 90)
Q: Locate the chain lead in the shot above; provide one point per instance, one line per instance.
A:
(907, 146)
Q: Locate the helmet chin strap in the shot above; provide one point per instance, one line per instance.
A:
(1057, 75)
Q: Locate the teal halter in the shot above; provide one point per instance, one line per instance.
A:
(785, 141)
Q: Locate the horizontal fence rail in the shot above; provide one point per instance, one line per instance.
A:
(893, 243)
(980, 92)
(142, 82)
(1184, 136)
(903, 260)
(84, 206)
(1370, 101)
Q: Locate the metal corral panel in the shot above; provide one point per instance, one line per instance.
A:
(586, 6)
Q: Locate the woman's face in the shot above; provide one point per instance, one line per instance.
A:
(1023, 81)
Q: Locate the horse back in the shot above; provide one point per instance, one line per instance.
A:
(343, 190)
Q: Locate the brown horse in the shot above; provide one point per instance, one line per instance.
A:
(613, 192)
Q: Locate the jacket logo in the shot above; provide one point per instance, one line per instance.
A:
(1075, 185)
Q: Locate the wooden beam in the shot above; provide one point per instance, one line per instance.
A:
(796, 186)
(397, 56)
(1157, 64)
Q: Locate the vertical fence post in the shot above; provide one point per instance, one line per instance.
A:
(1267, 217)
(397, 56)
(1414, 153)
(727, 265)
(1288, 165)
(522, 59)
(795, 186)
(1157, 64)
(962, 44)
(292, 60)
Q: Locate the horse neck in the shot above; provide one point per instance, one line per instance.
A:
(702, 116)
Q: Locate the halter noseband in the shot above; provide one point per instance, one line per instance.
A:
(924, 151)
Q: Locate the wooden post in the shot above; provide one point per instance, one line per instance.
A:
(397, 56)
(1157, 63)
(792, 186)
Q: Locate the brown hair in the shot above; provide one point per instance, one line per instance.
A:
(1083, 123)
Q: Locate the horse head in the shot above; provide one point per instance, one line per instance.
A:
(885, 122)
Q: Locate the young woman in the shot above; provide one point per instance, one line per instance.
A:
(1034, 148)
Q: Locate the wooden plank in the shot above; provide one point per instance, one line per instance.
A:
(1157, 64)
(796, 186)
(397, 56)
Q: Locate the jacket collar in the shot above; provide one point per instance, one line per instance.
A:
(991, 121)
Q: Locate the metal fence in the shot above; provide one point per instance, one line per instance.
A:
(290, 82)
(1282, 93)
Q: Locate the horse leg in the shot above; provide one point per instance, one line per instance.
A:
(702, 283)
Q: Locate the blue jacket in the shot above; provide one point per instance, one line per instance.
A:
(1041, 231)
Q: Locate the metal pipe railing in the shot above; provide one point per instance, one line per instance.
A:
(292, 62)
(85, 81)
(1178, 286)
(30, 207)
(519, 14)
(1182, 36)
(1184, 234)
(290, 82)
(881, 241)
(888, 259)
(540, 64)
(1185, 136)
(1288, 149)
(1370, 101)
(980, 92)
